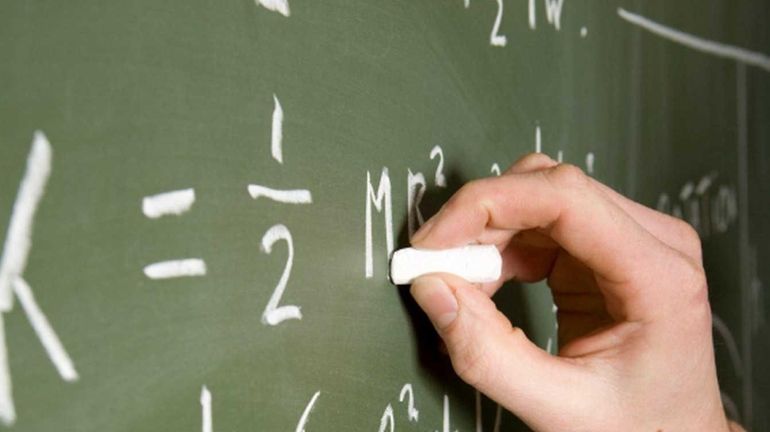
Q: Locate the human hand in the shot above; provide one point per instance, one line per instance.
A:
(635, 338)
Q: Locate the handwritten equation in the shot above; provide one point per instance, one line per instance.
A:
(709, 206)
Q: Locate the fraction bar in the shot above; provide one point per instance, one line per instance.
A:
(189, 267)
(288, 196)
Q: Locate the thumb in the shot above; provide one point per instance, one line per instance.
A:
(496, 358)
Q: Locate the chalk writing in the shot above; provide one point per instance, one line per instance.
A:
(168, 203)
(439, 179)
(553, 12)
(387, 420)
(289, 196)
(590, 159)
(416, 190)
(445, 426)
(276, 136)
(280, 6)
(306, 414)
(709, 209)
(206, 419)
(382, 202)
(18, 243)
(717, 49)
(189, 267)
(174, 202)
(495, 38)
(274, 314)
(408, 393)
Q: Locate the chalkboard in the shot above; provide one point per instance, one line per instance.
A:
(198, 181)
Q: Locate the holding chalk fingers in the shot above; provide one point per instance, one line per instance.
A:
(634, 319)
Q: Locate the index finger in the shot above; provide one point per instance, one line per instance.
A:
(562, 203)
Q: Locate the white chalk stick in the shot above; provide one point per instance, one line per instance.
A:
(477, 263)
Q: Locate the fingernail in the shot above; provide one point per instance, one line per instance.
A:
(437, 300)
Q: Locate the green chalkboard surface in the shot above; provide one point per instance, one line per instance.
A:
(187, 189)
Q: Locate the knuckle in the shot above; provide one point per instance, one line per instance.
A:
(690, 238)
(568, 176)
(532, 160)
(476, 193)
(470, 191)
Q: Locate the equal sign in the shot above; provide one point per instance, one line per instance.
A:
(175, 202)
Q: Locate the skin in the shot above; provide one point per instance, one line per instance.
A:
(634, 319)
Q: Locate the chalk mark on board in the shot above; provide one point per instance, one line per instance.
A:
(590, 160)
(718, 49)
(408, 392)
(174, 202)
(188, 267)
(280, 6)
(7, 409)
(18, 241)
(440, 179)
(531, 15)
(495, 38)
(276, 136)
(305, 414)
(380, 199)
(168, 203)
(48, 338)
(206, 418)
(387, 420)
(445, 421)
(416, 186)
(274, 314)
(18, 244)
(498, 418)
(553, 12)
(288, 196)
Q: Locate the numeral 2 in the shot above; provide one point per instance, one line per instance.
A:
(274, 314)
(496, 39)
